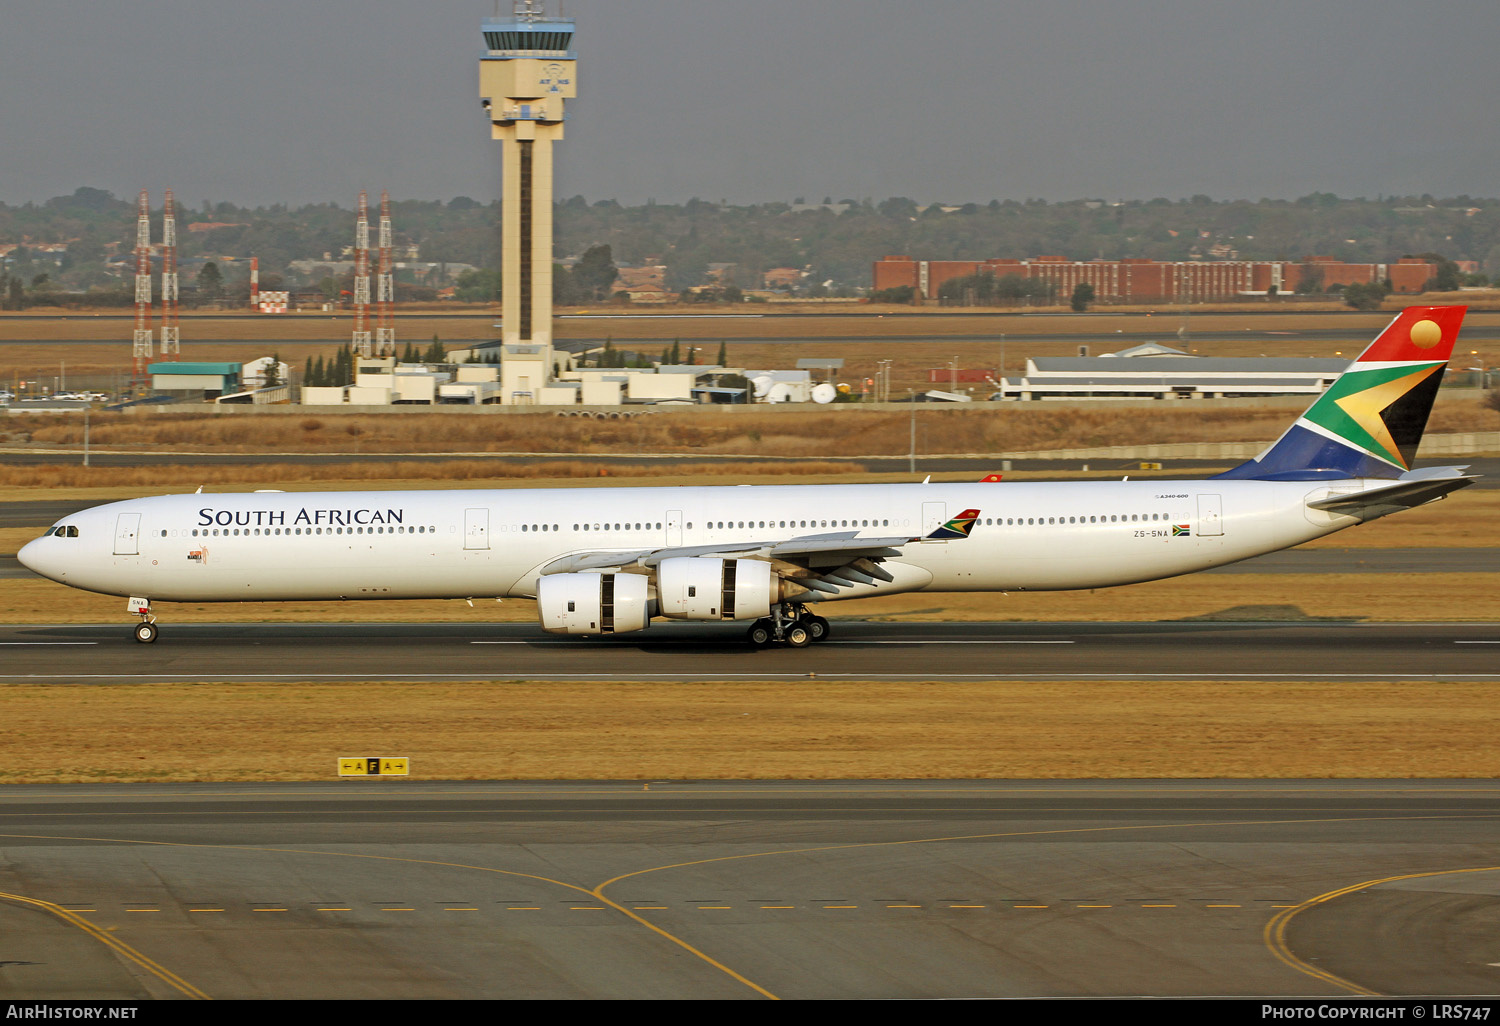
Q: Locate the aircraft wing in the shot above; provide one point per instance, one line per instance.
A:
(1414, 488)
(824, 549)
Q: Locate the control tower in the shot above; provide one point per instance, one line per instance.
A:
(527, 71)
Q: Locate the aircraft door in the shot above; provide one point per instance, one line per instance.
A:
(1210, 516)
(934, 515)
(476, 528)
(127, 534)
(674, 527)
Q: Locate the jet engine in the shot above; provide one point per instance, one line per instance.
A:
(593, 603)
(711, 588)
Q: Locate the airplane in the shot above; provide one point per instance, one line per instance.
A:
(609, 561)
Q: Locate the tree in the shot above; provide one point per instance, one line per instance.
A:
(684, 271)
(895, 294)
(272, 375)
(1491, 400)
(723, 360)
(1083, 295)
(1364, 295)
(435, 353)
(595, 272)
(210, 281)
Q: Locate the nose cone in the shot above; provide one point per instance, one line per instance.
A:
(42, 557)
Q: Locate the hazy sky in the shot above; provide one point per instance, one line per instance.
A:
(264, 101)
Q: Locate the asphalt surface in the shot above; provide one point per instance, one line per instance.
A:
(107, 655)
(393, 889)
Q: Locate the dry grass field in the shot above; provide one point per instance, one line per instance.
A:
(812, 730)
(779, 433)
(850, 333)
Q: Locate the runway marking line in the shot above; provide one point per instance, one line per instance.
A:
(1275, 931)
(383, 858)
(108, 939)
(469, 678)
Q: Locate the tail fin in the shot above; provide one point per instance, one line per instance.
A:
(1370, 421)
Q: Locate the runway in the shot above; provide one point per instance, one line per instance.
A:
(856, 650)
(680, 889)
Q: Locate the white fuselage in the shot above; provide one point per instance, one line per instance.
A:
(456, 544)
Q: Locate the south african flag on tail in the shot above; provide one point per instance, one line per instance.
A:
(1370, 421)
(958, 527)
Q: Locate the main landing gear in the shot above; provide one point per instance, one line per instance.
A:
(788, 625)
(145, 631)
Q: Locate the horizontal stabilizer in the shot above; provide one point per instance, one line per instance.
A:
(1412, 489)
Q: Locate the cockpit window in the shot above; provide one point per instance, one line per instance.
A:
(63, 532)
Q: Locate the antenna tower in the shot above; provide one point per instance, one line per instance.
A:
(385, 330)
(255, 283)
(169, 347)
(362, 278)
(141, 347)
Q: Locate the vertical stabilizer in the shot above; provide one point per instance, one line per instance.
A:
(1370, 421)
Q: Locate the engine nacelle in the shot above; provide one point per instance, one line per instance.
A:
(712, 588)
(593, 603)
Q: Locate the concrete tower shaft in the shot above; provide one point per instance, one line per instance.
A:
(526, 73)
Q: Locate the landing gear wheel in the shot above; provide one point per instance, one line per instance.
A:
(145, 633)
(759, 633)
(798, 636)
(817, 627)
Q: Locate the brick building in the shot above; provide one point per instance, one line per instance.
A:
(1141, 280)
